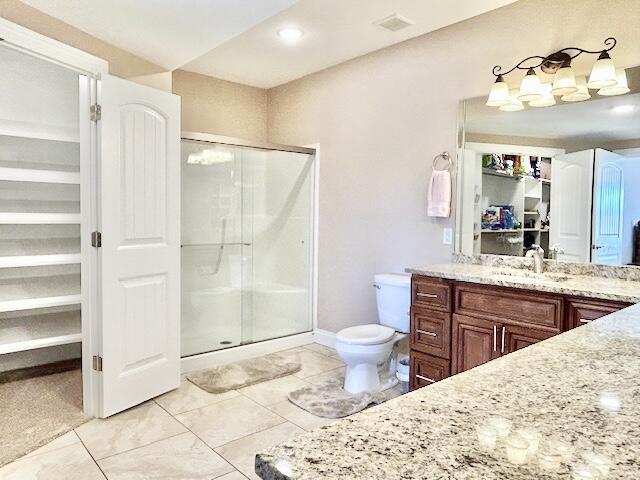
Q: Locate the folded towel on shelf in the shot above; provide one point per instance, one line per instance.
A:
(439, 201)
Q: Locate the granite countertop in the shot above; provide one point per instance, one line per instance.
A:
(562, 281)
(578, 393)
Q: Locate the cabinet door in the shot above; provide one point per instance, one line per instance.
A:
(426, 369)
(581, 312)
(514, 337)
(431, 331)
(475, 341)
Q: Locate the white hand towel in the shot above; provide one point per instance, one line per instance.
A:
(439, 202)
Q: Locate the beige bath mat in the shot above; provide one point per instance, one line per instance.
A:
(37, 410)
(330, 400)
(244, 373)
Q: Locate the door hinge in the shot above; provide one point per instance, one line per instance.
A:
(96, 112)
(96, 239)
(97, 363)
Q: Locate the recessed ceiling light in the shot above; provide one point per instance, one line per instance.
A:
(623, 109)
(290, 34)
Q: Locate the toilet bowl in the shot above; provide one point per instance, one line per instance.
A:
(368, 350)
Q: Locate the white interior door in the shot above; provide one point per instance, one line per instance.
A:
(608, 208)
(139, 261)
(571, 202)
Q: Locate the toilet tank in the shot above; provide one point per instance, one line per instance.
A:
(393, 296)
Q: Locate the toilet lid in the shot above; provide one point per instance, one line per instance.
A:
(372, 334)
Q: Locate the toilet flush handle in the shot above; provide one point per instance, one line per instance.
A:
(375, 285)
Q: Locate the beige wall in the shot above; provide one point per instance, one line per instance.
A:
(381, 118)
(224, 108)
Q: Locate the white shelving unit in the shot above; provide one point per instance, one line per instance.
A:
(528, 196)
(39, 211)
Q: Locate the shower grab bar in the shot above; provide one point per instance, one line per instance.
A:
(214, 244)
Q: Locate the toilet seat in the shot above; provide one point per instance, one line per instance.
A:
(371, 334)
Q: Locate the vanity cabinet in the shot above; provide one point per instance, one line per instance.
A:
(475, 341)
(456, 325)
(582, 311)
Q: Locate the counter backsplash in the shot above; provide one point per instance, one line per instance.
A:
(631, 273)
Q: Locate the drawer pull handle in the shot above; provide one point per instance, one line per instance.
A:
(585, 320)
(427, 295)
(424, 332)
(495, 340)
(426, 379)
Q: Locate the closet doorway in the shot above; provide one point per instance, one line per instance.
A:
(89, 226)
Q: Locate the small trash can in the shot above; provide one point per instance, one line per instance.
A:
(402, 372)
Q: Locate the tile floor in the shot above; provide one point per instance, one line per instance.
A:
(186, 434)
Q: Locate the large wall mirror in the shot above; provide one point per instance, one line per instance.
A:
(565, 177)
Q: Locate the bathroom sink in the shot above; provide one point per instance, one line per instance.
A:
(524, 276)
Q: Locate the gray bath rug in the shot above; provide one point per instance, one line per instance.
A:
(244, 373)
(330, 400)
(35, 411)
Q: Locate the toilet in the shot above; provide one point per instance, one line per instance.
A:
(367, 349)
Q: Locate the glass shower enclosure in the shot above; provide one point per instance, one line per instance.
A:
(247, 242)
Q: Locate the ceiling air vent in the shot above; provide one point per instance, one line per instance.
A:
(394, 22)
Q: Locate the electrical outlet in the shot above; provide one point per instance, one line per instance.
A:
(447, 236)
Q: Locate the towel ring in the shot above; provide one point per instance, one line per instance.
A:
(444, 156)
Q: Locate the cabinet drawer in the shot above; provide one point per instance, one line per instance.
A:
(583, 311)
(509, 305)
(431, 331)
(431, 292)
(425, 369)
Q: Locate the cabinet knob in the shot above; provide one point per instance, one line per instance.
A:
(585, 320)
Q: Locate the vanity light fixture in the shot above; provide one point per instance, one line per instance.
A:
(571, 88)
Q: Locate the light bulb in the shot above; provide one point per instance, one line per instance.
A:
(603, 73)
(530, 87)
(514, 103)
(547, 98)
(582, 92)
(290, 34)
(620, 88)
(499, 94)
(564, 82)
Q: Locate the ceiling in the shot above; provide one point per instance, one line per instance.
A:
(168, 33)
(594, 120)
(236, 39)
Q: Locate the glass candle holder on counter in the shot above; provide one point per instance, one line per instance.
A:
(487, 437)
(517, 449)
(533, 438)
(564, 447)
(601, 463)
(585, 472)
(501, 425)
(548, 457)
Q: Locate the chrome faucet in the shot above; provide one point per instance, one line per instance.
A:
(537, 253)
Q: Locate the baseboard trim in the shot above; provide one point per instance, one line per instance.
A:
(324, 337)
(234, 354)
